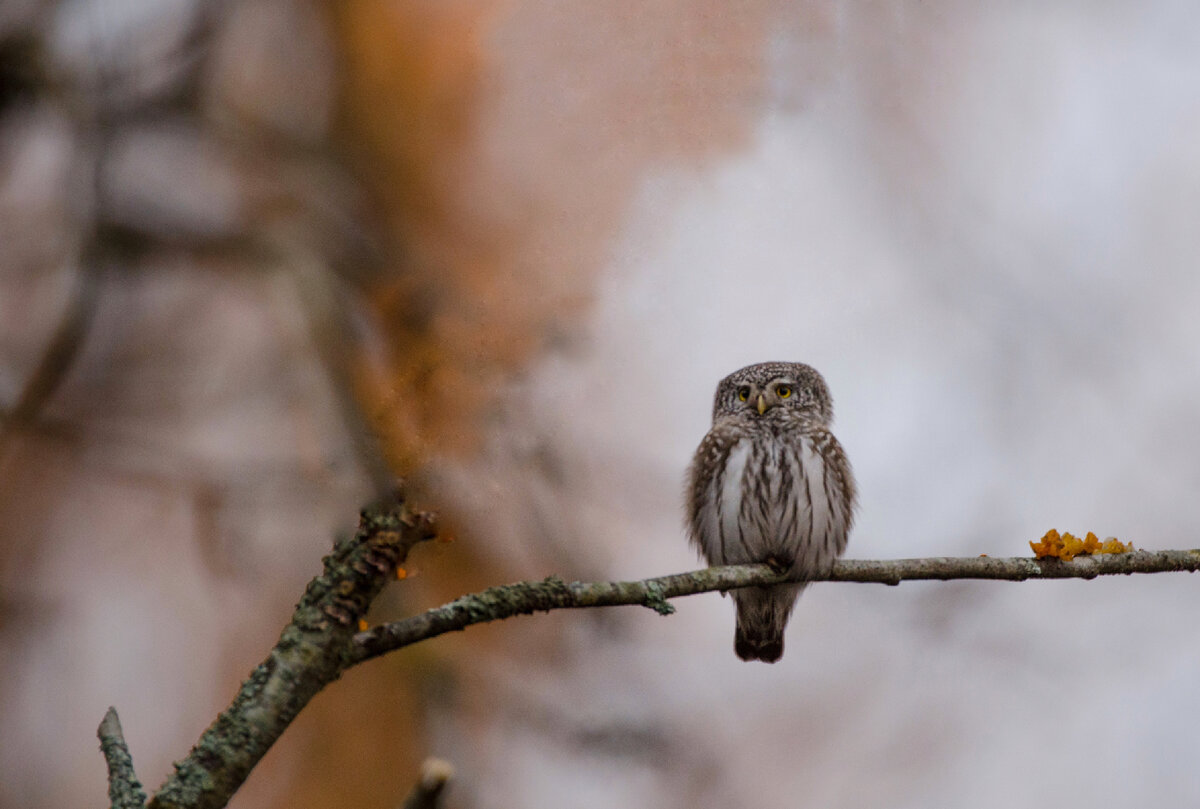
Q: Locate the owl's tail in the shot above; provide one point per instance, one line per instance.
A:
(762, 615)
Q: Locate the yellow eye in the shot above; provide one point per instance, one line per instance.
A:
(784, 391)
(743, 393)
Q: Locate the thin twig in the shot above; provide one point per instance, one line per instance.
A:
(124, 789)
(524, 598)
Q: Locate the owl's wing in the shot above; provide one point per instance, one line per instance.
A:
(840, 490)
(705, 477)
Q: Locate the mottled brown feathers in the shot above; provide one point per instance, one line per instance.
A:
(770, 483)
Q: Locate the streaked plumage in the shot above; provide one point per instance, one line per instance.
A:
(770, 483)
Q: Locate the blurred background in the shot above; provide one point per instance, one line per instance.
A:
(257, 258)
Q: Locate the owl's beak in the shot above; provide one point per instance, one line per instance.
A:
(762, 404)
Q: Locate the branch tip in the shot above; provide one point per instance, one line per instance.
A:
(124, 789)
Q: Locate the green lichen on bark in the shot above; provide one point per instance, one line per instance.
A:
(124, 789)
(656, 599)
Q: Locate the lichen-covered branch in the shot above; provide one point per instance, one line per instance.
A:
(524, 598)
(1020, 568)
(322, 640)
(124, 789)
(314, 649)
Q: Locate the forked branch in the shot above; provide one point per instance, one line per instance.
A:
(323, 640)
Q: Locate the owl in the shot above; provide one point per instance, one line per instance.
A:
(770, 483)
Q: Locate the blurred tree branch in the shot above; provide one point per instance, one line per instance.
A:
(56, 360)
(97, 109)
(322, 640)
(427, 793)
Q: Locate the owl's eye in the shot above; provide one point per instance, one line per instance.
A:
(784, 391)
(743, 393)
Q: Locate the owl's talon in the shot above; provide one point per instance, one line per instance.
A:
(777, 566)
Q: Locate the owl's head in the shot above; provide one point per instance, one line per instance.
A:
(772, 390)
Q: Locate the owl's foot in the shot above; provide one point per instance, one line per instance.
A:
(777, 565)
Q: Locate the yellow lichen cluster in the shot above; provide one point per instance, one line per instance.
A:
(1068, 546)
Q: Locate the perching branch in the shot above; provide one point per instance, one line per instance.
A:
(524, 598)
(322, 640)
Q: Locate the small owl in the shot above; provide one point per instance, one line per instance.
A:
(770, 483)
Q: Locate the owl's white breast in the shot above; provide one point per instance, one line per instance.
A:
(776, 501)
(731, 492)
